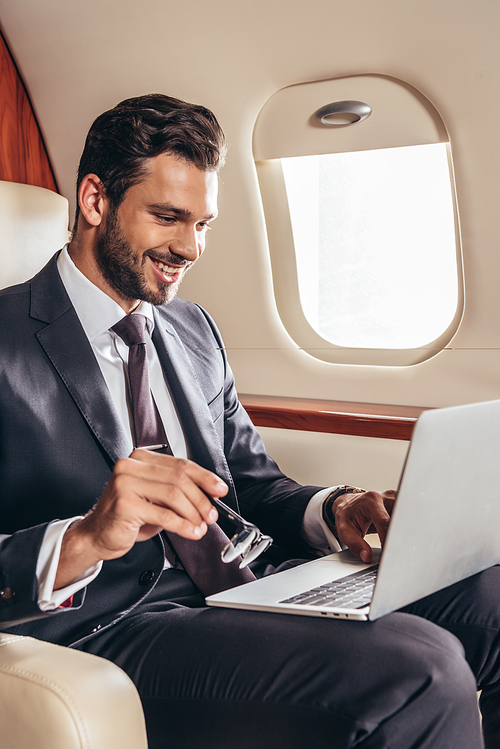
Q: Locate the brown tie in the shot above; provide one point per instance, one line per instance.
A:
(148, 427)
(200, 559)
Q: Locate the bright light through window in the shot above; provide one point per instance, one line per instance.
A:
(375, 244)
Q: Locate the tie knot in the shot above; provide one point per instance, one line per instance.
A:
(131, 329)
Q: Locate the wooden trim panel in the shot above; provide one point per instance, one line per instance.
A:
(335, 417)
(23, 156)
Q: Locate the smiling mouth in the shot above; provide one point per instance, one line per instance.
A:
(169, 272)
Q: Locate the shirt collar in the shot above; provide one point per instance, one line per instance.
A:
(96, 310)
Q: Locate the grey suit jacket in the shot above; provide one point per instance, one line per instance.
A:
(60, 436)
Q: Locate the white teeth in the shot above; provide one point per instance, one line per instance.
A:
(167, 268)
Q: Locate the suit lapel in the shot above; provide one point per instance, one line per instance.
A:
(70, 352)
(194, 413)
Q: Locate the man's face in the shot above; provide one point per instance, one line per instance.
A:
(158, 231)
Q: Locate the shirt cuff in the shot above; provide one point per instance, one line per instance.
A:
(315, 531)
(46, 568)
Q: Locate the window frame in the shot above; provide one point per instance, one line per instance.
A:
(303, 140)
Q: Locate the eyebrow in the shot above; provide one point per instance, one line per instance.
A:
(181, 212)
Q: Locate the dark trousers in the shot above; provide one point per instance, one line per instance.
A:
(226, 679)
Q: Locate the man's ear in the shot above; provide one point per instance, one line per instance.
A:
(92, 199)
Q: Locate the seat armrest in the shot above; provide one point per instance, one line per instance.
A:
(58, 698)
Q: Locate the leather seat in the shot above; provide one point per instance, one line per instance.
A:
(53, 697)
(33, 225)
(57, 698)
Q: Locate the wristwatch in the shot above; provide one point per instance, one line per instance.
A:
(328, 514)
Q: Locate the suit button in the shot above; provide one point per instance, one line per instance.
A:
(6, 594)
(146, 577)
(96, 629)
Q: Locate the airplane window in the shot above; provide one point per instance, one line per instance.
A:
(362, 220)
(375, 245)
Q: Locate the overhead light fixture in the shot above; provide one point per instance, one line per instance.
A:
(343, 113)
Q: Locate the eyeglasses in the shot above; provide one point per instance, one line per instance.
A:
(248, 541)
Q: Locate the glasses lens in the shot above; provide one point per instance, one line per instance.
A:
(240, 543)
(262, 543)
(228, 553)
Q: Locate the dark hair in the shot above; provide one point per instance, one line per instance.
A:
(121, 140)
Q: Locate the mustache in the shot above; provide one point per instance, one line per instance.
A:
(169, 258)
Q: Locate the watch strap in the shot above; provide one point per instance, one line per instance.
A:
(328, 513)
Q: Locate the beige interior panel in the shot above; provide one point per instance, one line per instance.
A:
(401, 116)
(331, 459)
(79, 58)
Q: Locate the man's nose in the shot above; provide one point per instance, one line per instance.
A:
(188, 242)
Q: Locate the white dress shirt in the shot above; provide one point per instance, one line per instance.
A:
(46, 568)
(97, 313)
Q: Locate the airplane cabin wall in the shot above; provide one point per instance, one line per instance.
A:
(79, 58)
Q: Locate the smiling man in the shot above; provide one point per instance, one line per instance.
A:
(144, 247)
(100, 359)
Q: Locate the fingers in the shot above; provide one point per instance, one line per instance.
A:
(149, 504)
(356, 513)
(389, 498)
(207, 480)
(184, 479)
(352, 536)
(173, 484)
(149, 492)
(145, 494)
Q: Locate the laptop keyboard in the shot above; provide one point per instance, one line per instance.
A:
(352, 592)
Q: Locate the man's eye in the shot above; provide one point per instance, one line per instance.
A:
(204, 226)
(166, 219)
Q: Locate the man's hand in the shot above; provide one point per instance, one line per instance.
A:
(356, 513)
(146, 493)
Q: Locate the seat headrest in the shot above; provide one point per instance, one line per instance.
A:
(33, 226)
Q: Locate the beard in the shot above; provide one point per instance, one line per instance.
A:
(118, 265)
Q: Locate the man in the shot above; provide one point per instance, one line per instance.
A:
(147, 192)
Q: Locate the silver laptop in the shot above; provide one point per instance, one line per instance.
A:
(445, 527)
